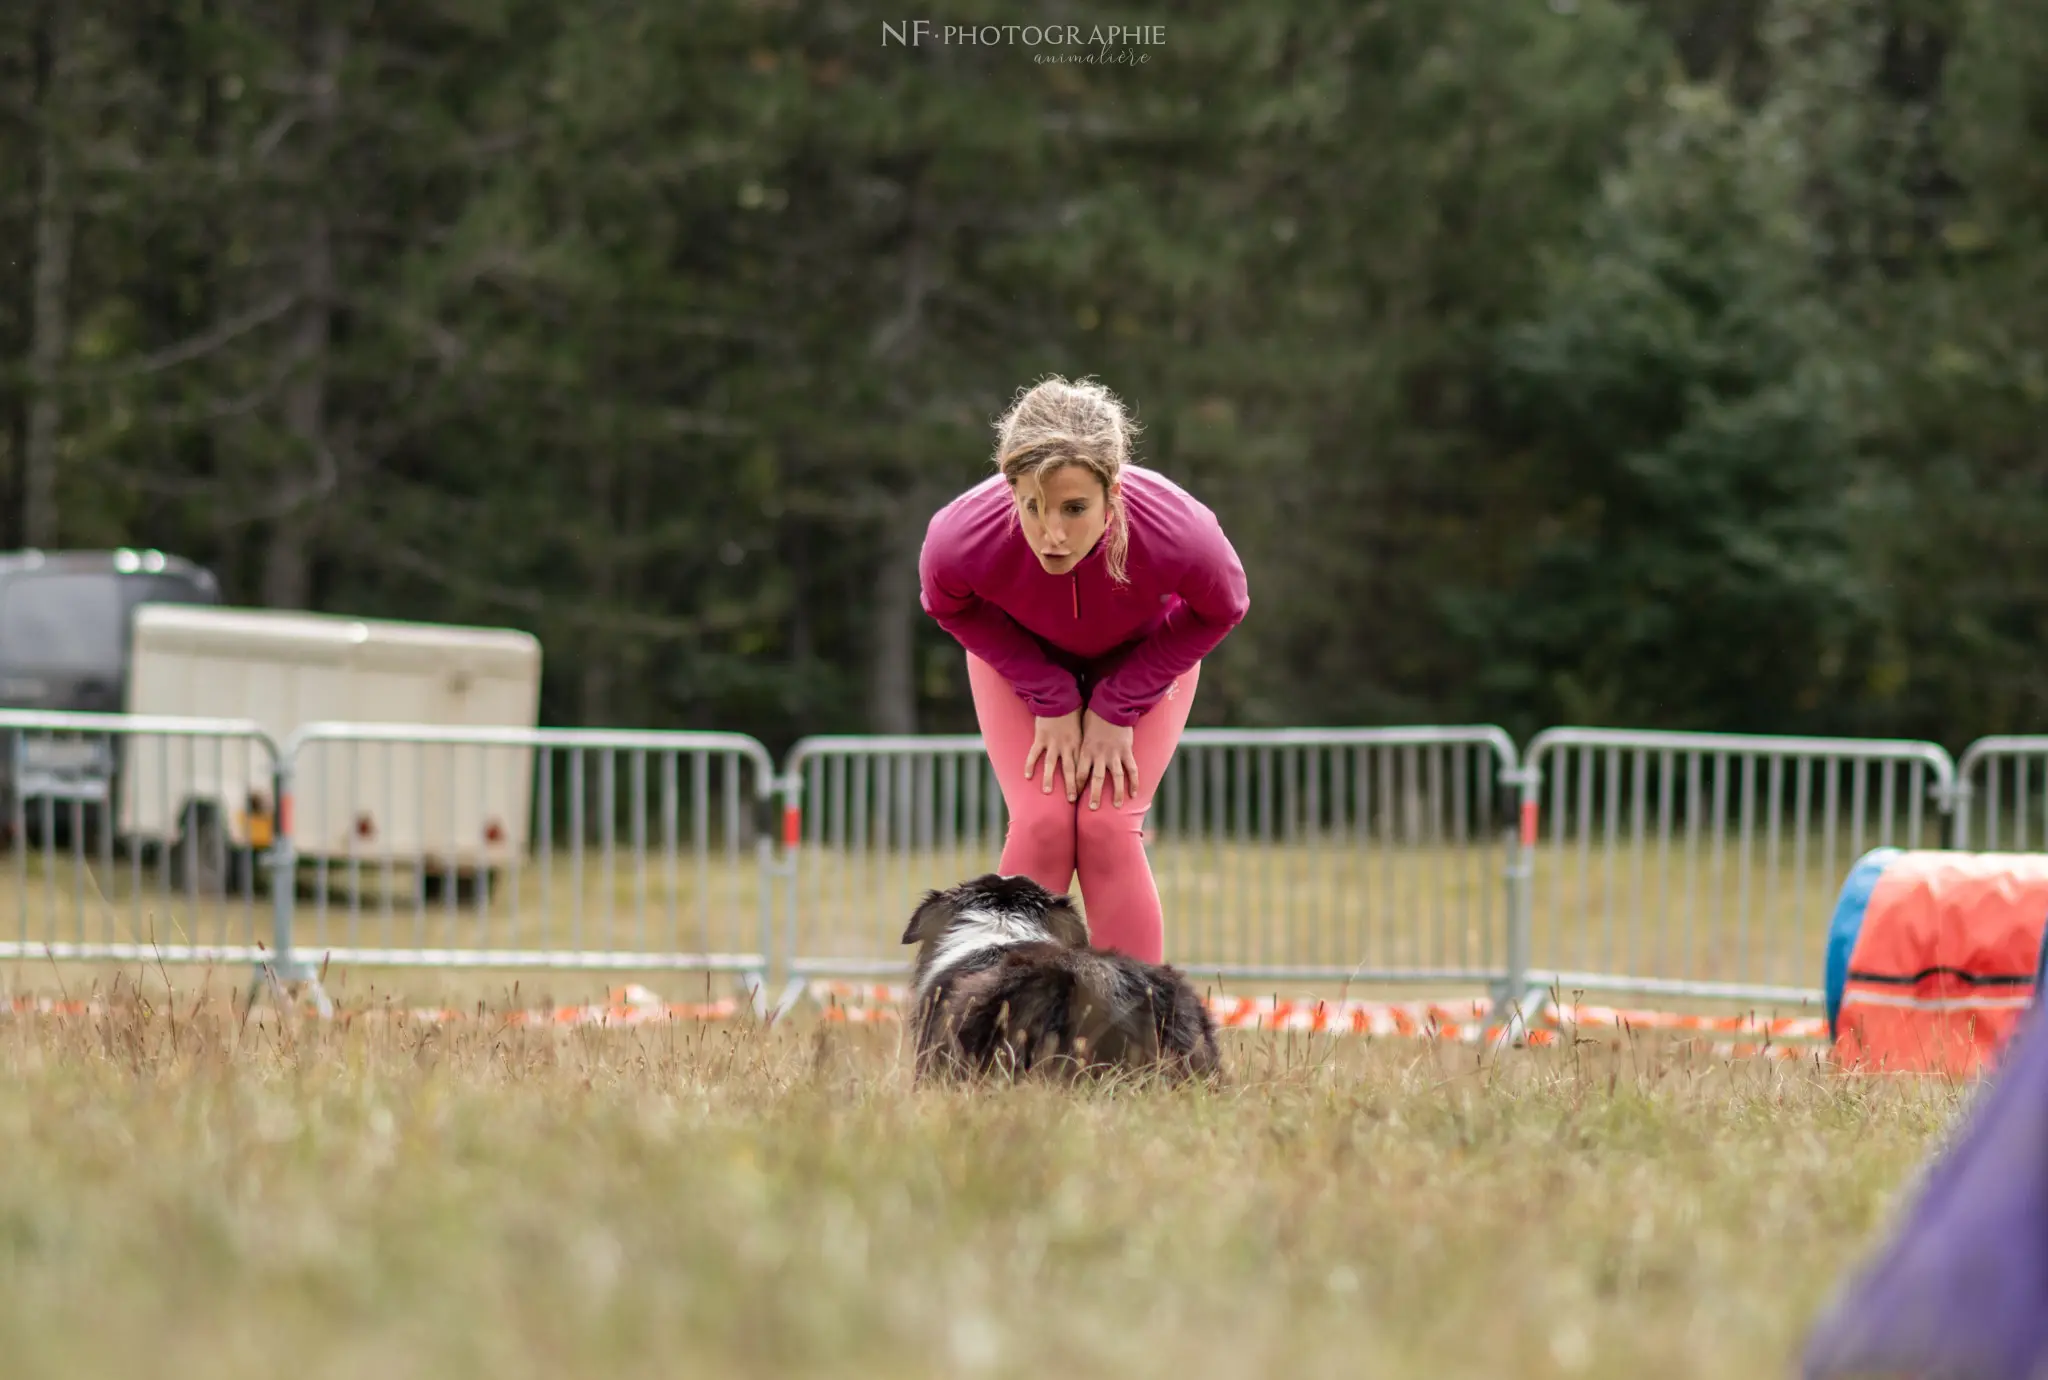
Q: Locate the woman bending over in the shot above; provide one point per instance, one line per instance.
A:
(1086, 591)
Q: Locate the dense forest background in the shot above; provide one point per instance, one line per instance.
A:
(1658, 363)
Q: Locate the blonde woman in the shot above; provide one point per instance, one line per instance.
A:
(1086, 591)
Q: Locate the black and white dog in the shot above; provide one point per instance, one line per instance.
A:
(1005, 981)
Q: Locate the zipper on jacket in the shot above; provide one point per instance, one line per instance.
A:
(1077, 596)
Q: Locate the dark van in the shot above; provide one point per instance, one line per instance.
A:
(65, 619)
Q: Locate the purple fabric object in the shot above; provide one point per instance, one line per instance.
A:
(1960, 1290)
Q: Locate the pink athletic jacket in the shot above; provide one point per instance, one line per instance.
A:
(1056, 637)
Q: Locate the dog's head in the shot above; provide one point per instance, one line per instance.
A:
(987, 912)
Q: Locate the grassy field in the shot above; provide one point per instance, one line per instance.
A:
(187, 1193)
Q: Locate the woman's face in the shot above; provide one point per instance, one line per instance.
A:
(1064, 516)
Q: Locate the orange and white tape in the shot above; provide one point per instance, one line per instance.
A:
(1775, 1028)
(1464, 1021)
(856, 995)
(628, 1005)
(879, 1003)
(867, 1004)
(50, 1006)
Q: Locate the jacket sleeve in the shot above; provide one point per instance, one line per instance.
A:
(1214, 599)
(990, 633)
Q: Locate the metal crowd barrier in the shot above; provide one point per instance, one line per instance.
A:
(2002, 795)
(524, 849)
(1701, 866)
(135, 839)
(869, 823)
(1338, 855)
(1347, 855)
(1706, 865)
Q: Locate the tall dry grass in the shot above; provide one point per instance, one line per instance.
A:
(191, 1188)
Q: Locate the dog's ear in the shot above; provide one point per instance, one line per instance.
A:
(931, 917)
(1065, 924)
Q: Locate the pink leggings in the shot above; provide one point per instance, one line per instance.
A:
(1050, 838)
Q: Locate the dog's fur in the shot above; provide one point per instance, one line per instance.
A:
(1006, 981)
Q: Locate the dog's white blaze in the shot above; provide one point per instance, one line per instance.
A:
(975, 932)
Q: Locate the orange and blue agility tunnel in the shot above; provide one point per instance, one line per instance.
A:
(1933, 956)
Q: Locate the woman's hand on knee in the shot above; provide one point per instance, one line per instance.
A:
(1107, 751)
(1058, 743)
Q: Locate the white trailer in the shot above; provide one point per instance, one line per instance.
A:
(460, 809)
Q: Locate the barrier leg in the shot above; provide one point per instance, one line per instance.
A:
(1517, 1005)
(287, 976)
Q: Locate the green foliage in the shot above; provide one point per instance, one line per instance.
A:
(1688, 396)
(1652, 362)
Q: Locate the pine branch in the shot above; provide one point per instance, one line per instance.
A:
(193, 348)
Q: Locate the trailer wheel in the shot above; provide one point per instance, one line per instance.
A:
(468, 882)
(202, 859)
